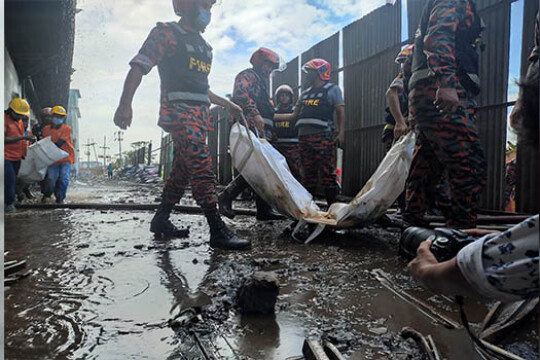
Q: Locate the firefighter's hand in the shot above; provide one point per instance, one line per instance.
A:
(234, 110)
(123, 116)
(400, 129)
(447, 100)
(340, 139)
(259, 122)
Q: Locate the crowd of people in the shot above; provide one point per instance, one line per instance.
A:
(433, 95)
(18, 136)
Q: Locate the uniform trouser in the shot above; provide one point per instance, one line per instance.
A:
(291, 151)
(57, 173)
(318, 158)
(191, 162)
(445, 144)
(11, 170)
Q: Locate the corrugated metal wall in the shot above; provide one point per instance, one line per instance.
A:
(527, 189)
(328, 50)
(288, 77)
(370, 46)
(491, 122)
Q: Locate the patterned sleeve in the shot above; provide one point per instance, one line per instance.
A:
(153, 49)
(242, 89)
(504, 266)
(439, 42)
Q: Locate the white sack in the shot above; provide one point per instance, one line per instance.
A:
(39, 157)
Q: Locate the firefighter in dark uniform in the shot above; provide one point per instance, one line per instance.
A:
(285, 138)
(443, 85)
(184, 60)
(251, 93)
(316, 109)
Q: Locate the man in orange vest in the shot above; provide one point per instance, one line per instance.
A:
(15, 144)
(60, 171)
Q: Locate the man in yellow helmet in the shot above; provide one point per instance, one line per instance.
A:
(15, 144)
(60, 171)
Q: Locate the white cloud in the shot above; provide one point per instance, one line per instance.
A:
(109, 34)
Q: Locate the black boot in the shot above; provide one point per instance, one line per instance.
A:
(227, 196)
(161, 225)
(331, 196)
(221, 237)
(265, 212)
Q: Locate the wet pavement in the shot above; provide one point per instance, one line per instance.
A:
(101, 287)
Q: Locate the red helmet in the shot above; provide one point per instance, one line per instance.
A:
(264, 54)
(322, 66)
(404, 53)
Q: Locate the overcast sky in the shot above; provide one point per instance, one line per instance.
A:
(110, 33)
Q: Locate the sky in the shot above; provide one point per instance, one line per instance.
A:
(110, 33)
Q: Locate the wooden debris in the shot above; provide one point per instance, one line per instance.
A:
(503, 317)
(421, 306)
(313, 350)
(14, 267)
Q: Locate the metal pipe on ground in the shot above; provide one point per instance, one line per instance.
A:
(125, 207)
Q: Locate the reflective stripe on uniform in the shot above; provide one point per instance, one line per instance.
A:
(268, 122)
(284, 140)
(309, 121)
(188, 96)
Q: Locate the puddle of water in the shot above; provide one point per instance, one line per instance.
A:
(103, 288)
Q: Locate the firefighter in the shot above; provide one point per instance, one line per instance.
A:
(251, 93)
(184, 61)
(319, 109)
(285, 132)
(15, 144)
(58, 174)
(443, 85)
(397, 99)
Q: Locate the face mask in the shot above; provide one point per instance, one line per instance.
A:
(203, 19)
(57, 121)
(311, 77)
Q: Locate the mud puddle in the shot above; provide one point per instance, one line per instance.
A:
(102, 287)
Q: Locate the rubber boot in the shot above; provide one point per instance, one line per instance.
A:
(162, 226)
(265, 212)
(227, 196)
(221, 237)
(331, 196)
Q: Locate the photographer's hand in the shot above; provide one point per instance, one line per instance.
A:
(441, 278)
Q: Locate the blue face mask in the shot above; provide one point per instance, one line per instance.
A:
(203, 19)
(57, 121)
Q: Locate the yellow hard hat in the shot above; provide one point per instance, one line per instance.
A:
(58, 110)
(20, 106)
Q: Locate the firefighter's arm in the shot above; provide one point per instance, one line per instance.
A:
(234, 110)
(288, 117)
(340, 119)
(124, 112)
(392, 99)
(439, 42)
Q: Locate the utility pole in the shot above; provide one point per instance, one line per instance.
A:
(104, 147)
(118, 137)
(95, 153)
(88, 146)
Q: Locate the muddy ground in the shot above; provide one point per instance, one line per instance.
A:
(101, 287)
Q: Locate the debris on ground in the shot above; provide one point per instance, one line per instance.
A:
(258, 295)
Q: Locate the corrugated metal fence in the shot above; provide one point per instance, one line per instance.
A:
(369, 46)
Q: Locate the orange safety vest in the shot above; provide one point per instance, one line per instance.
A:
(61, 133)
(17, 150)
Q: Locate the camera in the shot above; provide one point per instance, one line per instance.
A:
(445, 243)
